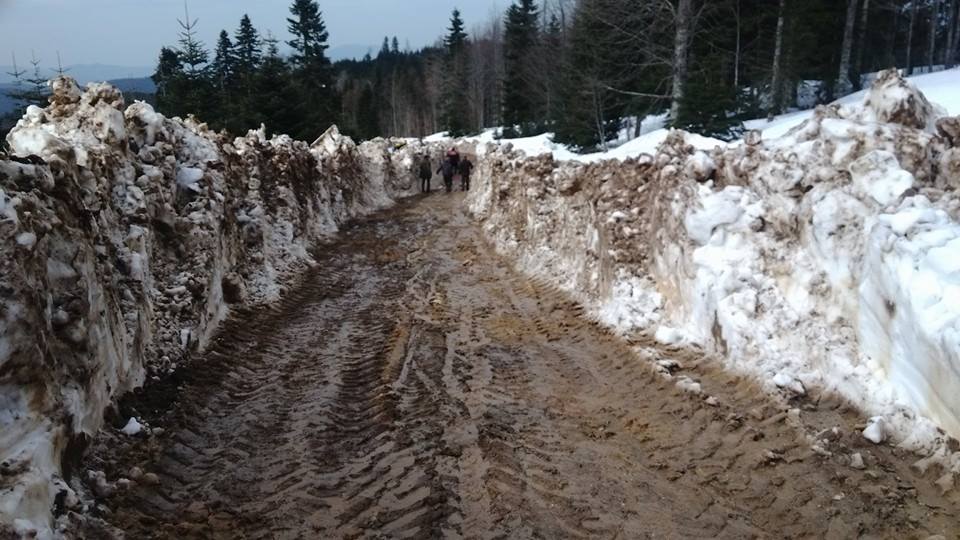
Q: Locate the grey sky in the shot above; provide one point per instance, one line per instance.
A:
(131, 32)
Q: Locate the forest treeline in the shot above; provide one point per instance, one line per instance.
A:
(582, 69)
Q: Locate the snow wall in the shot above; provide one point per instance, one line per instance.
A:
(827, 259)
(126, 239)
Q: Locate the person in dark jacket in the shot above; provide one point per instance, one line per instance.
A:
(426, 173)
(466, 167)
(448, 169)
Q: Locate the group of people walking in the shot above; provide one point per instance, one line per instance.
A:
(451, 166)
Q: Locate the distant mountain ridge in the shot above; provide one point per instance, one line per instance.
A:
(139, 85)
(84, 73)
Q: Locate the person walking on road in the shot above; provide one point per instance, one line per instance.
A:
(466, 167)
(426, 174)
(448, 169)
(454, 157)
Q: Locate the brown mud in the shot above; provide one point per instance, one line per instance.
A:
(415, 386)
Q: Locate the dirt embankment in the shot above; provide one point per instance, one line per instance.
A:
(127, 238)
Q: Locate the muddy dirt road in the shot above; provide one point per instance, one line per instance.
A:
(414, 386)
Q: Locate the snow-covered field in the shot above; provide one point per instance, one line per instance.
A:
(821, 254)
(126, 246)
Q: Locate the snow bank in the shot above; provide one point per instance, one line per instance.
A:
(825, 259)
(126, 238)
(626, 146)
(939, 88)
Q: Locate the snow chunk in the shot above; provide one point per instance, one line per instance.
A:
(789, 382)
(133, 427)
(876, 431)
(189, 177)
(878, 173)
(668, 336)
(8, 208)
(893, 99)
(689, 385)
(720, 208)
(700, 166)
(27, 240)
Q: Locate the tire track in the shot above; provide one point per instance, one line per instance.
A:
(414, 386)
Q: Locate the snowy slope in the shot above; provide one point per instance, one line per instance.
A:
(825, 260)
(942, 88)
(126, 244)
(652, 134)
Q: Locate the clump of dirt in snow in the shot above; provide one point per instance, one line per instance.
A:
(126, 239)
(827, 257)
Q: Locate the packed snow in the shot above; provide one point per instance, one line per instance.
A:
(821, 253)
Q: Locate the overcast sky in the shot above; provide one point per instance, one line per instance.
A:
(131, 32)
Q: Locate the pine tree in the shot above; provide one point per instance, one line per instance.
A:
(243, 98)
(192, 54)
(395, 45)
(168, 78)
(552, 54)
(224, 63)
(520, 38)
(312, 69)
(36, 92)
(384, 49)
(275, 95)
(310, 34)
(591, 113)
(247, 47)
(196, 97)
(454, 103)
(367, 113)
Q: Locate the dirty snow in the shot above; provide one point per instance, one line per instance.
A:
(142, 232)
(820, 255)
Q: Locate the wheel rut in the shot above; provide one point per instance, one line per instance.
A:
(414, 386)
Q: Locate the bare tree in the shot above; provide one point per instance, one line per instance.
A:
(953, 46)
(934, 24)
(60, 71)
(843, 78)
(17, 73)
(486, 61)
(683, 20)
(739, 46)
(862, 41)
(776, 84)
(914, 7)
(949, 50)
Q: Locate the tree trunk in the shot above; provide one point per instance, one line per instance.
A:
(600, 120)
(913, 23)
(777, 83)
(934, 19)
(736, 59)
(950, 51)
(844, 86)
(681, 45)
(861, 44)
